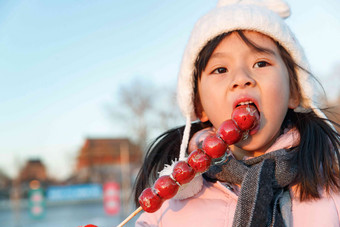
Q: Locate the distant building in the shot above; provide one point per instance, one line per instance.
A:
(100, 160)
(5, 183)
(34, 169)
(4, 180)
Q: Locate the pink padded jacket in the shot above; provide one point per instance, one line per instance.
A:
(215, 205)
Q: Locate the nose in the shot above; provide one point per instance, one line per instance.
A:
(241, 79)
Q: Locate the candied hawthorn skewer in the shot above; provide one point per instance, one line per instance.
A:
(166, 187)
(229, 132)
(246, 117)
(197, 139)
(199, 161)
(149, 200)
(182, 172)
(213, 146)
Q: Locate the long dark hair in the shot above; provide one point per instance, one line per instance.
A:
(317, 155)
(163, 150)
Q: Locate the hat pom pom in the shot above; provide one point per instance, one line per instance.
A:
(278, 6)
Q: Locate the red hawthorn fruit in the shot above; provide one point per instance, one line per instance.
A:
(229, 132)
(166, 187)
(199, 161)
(246, 117)
(198, 138)
(149, 200)
(214, 146)
(183, 173)
(90, 225)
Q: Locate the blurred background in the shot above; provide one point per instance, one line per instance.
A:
(86, 85)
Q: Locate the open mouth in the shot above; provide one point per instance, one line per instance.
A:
(251, 103)
(251, 108)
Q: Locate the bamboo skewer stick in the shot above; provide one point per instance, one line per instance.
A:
(130, 217)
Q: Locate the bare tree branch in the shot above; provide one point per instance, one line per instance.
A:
(145, 110)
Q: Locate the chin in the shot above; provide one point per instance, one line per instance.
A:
(249, 148)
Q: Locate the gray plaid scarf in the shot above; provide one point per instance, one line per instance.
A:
(264, 180)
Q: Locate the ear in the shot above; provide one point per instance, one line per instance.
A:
(200, 113)
(294, 101)
(203, 117)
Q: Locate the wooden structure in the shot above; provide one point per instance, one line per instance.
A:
(104, 159)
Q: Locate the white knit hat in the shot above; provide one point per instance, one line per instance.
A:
(264, 16)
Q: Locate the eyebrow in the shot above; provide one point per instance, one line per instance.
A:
(264, 50)
(255, 50)
(217, 55)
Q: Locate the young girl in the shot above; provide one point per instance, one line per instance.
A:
(287, 172)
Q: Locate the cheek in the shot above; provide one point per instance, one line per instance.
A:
(278, 107)
(277, 87)
(213, 102)
(276, 98)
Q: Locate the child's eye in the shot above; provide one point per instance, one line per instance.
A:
(261, 64)
(220, 70)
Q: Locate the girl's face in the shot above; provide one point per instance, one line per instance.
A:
(238, 73)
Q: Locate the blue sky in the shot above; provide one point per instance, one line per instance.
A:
(62, 62)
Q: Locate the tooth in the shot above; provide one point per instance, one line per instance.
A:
(245, 103)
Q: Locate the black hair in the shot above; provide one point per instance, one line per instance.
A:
(317, 156)
(163, 150)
